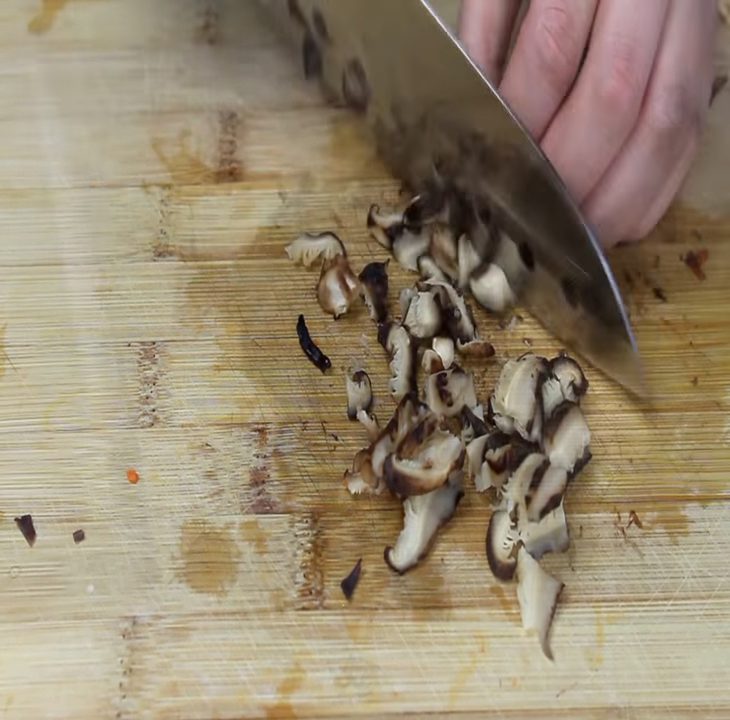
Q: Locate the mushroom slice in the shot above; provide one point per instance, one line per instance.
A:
(310, 247)
(404, 299)
(423, 318)
(423, 516)
(570, 375)
(567, 439)
(548, 535)
(400, 348)
(429, 270)
(408, 414)
(491, 289)
(370, 423)
(425, 208)
(551, 396)
(515, 490)
(361, 479)
(468, 260)
(338, 287)
(472, 423)
(444, 347)
(515, 396)
(459, 319)
(431, 362)
(443, 250)
(424, 460)
(408, 246)
(374, 290)
(449, 391)
(546, 491)
(501, 545)
(476, 349)
(490, 460)
(537, 593)
(359, 392)
(384, 227)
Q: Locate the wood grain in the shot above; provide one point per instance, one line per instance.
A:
(156, 160)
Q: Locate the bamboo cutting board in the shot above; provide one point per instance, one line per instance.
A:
(155, 159)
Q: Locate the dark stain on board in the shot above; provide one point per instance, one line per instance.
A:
(229, 167)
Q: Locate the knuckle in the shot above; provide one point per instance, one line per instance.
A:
(673, 114)
(620, 88)
(557, 44)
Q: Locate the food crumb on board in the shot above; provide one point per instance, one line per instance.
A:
(659, 294)
(79, 536)
(634, 519)
(695, 260)
(132, 476)
(25, 525)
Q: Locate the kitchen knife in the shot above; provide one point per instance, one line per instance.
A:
(437, 120)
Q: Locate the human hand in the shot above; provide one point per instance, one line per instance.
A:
(615, 91)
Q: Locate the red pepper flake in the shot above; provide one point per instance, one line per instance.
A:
(132, 476)
(25, 525)
(79, 536)
(695, 260)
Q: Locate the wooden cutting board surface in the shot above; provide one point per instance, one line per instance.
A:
(155, 159)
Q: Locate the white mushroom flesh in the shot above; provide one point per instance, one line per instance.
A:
(468, 260)
(567, 444)
(491, 288)
(308, 248)
(338, 287)
(548, 535)
(399, 346)
(449, 391)
(423, 516)
(359, 392)
(423, 318)
(537, 594)
(444, 347)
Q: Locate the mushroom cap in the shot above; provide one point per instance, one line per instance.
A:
(310, 247)
(337, 287)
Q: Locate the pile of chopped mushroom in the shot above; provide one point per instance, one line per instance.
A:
(524, 447)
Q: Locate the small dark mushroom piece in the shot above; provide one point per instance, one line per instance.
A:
(310, 348)
(423, 516)
(310, 247)
(359, 392)
(26, 527)
(349, 584)
(374, 290)
(79, 536)
(537, 594)
(399, 345)
(337, 287)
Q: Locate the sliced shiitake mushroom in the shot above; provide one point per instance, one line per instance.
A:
(489, 460)
(359, 392)
(472, 423)
(458, 316)
(517, 486)
(374, 290)
(546, 490)
(537, 593)
(567, 438)
(515, 402)
(570, 375)
(501, 544)
(476, 349)
(338, 286)
(362, 479)
(431, 362)
(444, 348)
(424, 459)
(429, 270)
(550, 534)
(384, 227)
(310, 247)
(370, 422)
(491, 289)
(449, 391)
(401, 349)
(468, 261)
(423, 317)
(423, 516)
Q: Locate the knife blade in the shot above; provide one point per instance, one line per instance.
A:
(437, 119)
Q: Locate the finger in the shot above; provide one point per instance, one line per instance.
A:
(602, 109)
(546, 58)
(485, 27)
(642, 182)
